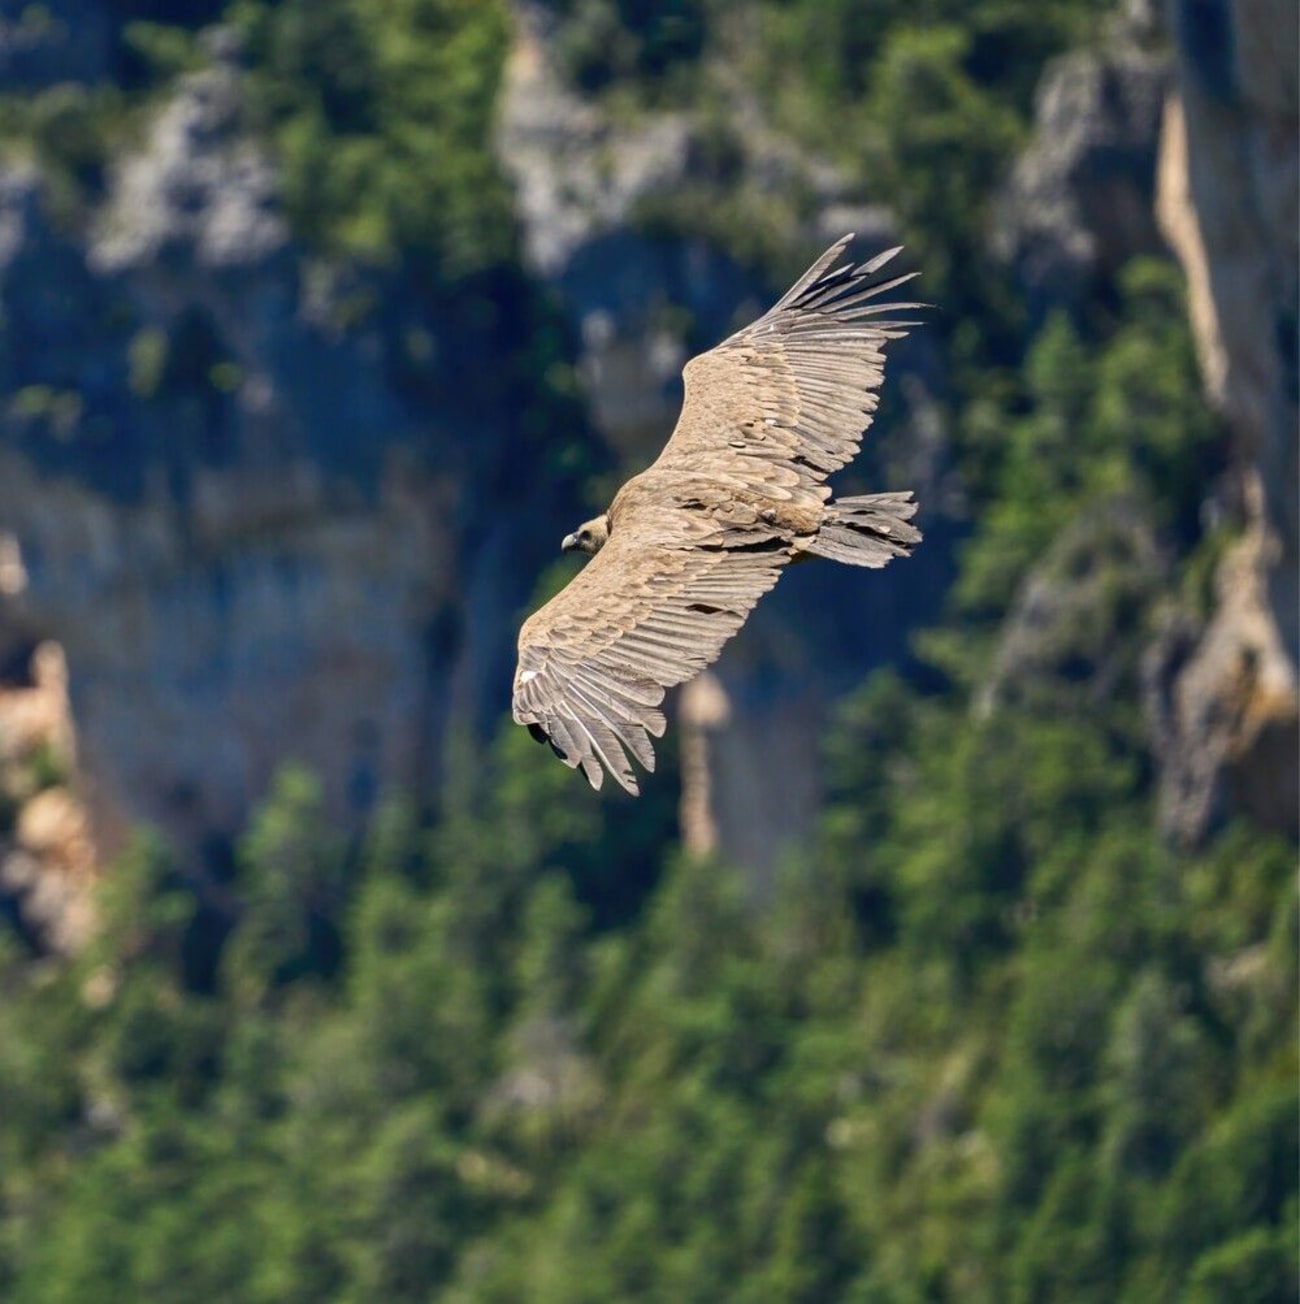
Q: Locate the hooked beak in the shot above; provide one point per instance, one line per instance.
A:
(570, 543)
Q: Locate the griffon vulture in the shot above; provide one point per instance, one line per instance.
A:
(688, 547)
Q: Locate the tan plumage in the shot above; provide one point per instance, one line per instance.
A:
(689, 546)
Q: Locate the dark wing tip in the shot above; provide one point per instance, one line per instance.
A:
(539, 735)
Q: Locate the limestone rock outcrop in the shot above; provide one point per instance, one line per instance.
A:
(1228, 204)
(1179, 133)
(1080, 201)
(221, 494)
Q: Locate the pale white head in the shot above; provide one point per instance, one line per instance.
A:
(589, 537)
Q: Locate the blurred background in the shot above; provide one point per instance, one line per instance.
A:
(951, 954)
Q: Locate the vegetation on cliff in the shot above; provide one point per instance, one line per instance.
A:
(986, 1039)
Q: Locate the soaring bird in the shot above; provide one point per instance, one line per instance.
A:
(688, 546)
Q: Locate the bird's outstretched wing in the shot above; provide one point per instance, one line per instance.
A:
(594, 661)
(786, 400)
(767, 416)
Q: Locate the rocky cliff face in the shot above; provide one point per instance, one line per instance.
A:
(1080, 202)
(1182, 128)
(267, 506)
(1226, 690)
(288, 491)
(255, 523)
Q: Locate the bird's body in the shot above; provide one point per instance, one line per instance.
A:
(688, 546)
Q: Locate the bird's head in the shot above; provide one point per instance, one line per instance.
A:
(589, 537)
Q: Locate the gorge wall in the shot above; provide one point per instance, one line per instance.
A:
(266, 506)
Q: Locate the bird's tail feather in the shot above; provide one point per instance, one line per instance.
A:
(867, 531)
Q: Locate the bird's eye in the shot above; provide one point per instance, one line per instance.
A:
(584, 536)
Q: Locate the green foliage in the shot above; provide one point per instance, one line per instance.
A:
(71, 131)
(656, 44)
(923, 104)
(293, 886)
(164, 51)
(920, 105)
(1078, 1085)
(830, 46)
(1123, 418)
(381, 116)
(940, 140)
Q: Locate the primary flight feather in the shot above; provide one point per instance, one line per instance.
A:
(689, 546)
